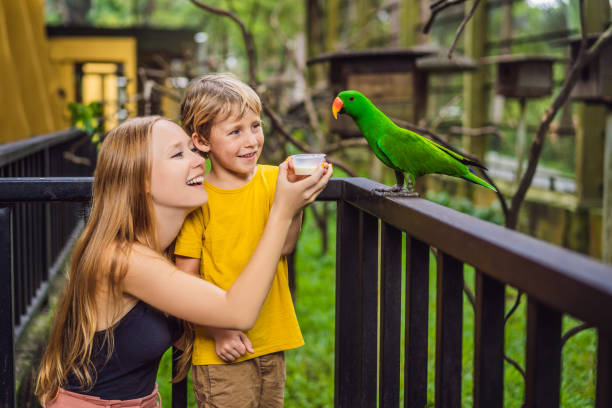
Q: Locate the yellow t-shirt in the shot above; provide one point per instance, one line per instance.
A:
(224, 233)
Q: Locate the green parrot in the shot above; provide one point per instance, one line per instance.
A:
(400, 149)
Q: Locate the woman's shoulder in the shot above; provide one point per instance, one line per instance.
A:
(139, 250)
(142, 258)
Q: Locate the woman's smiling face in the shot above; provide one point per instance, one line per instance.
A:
(177, 169)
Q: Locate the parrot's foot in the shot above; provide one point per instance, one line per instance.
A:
(396, 191)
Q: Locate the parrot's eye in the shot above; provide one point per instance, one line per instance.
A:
(352, 98)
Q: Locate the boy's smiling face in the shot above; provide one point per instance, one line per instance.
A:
(234, 146)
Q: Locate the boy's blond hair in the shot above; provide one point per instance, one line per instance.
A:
(215, 97)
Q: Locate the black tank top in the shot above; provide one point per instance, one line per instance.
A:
(141, 338)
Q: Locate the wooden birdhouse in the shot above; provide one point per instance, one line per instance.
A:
(388, 77)
(523, 76)
(595, 81)
(438, 63)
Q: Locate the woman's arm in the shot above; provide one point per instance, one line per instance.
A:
(159, 283)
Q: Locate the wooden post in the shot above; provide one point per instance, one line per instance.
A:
(333, 25)
(365, 9)
(506, 27)
(314, 39)
(590, 132)
(606, 225)
(474, 93)
(409, 20)
(591, 122)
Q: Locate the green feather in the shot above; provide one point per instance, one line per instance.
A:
(402, 149)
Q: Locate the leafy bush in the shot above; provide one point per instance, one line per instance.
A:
(492, 213)
(88, 118)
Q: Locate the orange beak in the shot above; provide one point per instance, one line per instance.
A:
(336, 106)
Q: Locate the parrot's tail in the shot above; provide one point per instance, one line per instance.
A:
(477, 180)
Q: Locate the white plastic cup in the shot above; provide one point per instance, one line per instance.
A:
(306, 164)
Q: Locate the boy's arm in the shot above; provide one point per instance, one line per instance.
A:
(189, 265)
(229, 344)
(293, 234)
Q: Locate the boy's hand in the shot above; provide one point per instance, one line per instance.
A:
(230, 344)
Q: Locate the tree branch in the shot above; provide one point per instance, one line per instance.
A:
(246, 36)
(573, 331)
(276, 121)
(274, 117)
(343, 144)
(313, 118)
(584, 57)
(461, 27)
(437, 7)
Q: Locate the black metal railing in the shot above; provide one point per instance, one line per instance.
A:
(556, 281)
(368, 304)
(36, 234)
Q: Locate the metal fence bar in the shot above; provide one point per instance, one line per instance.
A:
(489, 342)
(390, 314)
(179, 389)
(348, 296)
(368, 260)
(19, 249)
(603, 397)
(12, 152)
(543, 368)
(7, 346)
(48, 189)
(416, 323)
(449, 331)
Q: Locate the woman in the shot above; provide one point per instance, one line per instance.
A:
(109, 335)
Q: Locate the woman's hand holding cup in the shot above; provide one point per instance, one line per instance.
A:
(294, 192)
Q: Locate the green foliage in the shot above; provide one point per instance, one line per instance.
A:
(492, 213)
(225, 38)
(164, 374)
(89, 119)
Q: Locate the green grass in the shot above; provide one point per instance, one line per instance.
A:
(310, 368)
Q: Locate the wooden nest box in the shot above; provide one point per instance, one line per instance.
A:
(438, 63)
(595, 81)
(388, 77)
(523, 76)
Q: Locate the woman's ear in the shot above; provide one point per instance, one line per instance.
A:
(200, 142)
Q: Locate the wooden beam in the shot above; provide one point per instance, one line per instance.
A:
(409, 20)
(606, 225)
(474, 93)
(590, 132)
(591, 122)
(333, 24)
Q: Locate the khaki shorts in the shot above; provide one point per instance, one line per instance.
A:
(68, 399)
(255, 383)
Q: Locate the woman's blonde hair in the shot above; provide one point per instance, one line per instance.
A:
(215, 97)
(121, 215)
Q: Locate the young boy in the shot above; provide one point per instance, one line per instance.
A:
(222, 115)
